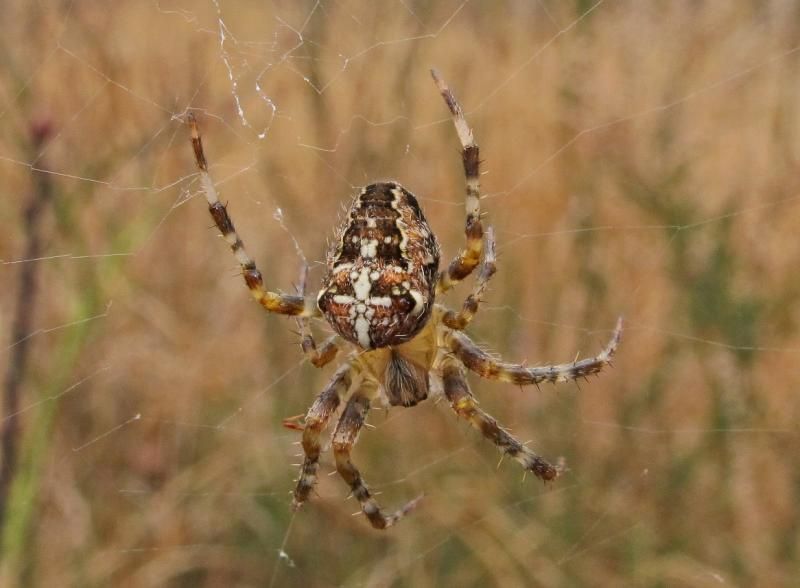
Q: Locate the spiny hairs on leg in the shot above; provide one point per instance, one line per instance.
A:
(280, 303)
(480, 362)
(469, 257)
(316, 420)
(463, 403)
(344, 438)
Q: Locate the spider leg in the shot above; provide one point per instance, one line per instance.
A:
(322, 355)
(317, 356)
(480, 362)
(460, 320)
(273, 302)
(469, 257)
(344, 438)
(464, 404)
(316, 420)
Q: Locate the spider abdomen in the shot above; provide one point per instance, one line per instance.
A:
(382, 269)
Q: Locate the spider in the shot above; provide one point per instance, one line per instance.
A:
(378, 295)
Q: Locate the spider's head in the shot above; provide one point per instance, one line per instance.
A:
(382, 269)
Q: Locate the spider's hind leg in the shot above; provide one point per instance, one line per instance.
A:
(464, 404)
(344, 438)
(469, 257)
(461, 319)
(318, 356)
(271, 301)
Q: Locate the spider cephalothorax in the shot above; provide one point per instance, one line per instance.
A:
(378, 296)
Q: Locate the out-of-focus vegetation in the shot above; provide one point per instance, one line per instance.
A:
(642, 161)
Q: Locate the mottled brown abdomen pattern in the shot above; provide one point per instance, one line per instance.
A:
(382, 269)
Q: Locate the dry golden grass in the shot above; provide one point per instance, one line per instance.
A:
(642, 162)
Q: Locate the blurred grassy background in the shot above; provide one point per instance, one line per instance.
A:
(641, 159)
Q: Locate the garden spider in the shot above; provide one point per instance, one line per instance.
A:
(378, 296)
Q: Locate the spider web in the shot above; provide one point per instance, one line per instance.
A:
(639, 160)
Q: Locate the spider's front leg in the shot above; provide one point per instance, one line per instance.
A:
(344, 438)
(316, 420)
(480, 362)
(469, 257)
(457, 391)
(272, 301)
